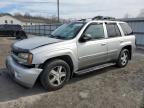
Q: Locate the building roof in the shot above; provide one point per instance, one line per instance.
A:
(4, 14)
(22, 19)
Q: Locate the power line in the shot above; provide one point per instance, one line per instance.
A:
(29, 2)
(58, 10)
(38, 2)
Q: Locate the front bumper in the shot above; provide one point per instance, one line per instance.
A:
(24, 76)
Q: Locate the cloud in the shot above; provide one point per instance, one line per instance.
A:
(4, 4)
(74, 8)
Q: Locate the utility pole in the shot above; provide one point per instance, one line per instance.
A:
(58, 10)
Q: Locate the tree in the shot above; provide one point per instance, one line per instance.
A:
(27, 15)
(141, 14)
(126, 15)
(18, 14)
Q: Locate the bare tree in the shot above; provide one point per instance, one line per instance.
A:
(17, 14)
(126, 15)
(141, 14)
(27, 15)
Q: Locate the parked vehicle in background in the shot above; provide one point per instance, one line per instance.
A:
(74, 48)
(11, 30)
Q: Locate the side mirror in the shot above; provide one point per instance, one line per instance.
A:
(85, 37)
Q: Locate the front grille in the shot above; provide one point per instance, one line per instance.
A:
(15, 53)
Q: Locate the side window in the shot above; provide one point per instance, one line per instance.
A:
(11, 21)
(1, 27)
(126, 29)
(96, 31)
(6, 21)
(113, 30)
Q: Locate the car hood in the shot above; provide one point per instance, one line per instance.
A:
(32, 43)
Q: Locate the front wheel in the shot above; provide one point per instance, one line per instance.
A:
(55, 74)
(123, 58)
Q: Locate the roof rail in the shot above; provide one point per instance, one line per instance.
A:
(82, 20)
(99, 18)
(85, 19)
(103, 18)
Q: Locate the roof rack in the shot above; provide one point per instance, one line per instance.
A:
(103, 18)
(85, 19)
(99, 18)
(82, 20)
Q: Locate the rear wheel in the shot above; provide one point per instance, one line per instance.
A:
(55, 74)
(20, 35)
(123, 58)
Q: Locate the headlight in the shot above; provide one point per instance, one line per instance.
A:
(26, 56)
(23, 55)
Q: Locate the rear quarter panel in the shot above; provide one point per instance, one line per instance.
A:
(128, 40)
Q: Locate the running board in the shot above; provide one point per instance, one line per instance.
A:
(94, 68)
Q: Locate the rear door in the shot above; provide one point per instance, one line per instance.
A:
(114, 40)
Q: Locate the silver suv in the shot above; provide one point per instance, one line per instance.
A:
(74, 48)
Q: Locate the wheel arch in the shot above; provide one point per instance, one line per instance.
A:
(65, 58)
(129, 48)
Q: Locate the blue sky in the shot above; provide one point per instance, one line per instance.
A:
(10, 7)
(74, 8)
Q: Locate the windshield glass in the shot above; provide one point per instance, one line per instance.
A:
(67, 31)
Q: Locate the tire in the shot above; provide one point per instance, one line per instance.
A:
(52, 78)
(21, 35)
(123, 58)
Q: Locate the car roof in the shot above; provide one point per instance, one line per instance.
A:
(10, 24)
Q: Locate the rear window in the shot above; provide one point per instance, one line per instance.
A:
(126, 29)
(12, 27)
(1, 27)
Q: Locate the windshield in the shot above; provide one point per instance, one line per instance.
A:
(67, 31)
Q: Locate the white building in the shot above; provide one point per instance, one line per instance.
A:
(9, 19)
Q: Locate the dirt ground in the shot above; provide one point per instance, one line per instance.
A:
(107, 88)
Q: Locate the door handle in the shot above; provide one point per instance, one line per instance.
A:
(103, 44)
(121, 41)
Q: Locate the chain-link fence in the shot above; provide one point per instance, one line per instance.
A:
(40, 30)
(136, 24)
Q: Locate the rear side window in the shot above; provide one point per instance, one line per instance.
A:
(113, 30)
(126, 29)
(12, 27)
(1, 27)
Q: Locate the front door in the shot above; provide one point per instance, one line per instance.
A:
(94, 51)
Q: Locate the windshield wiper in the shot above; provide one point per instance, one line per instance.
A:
(60, 37)
(57, 37)
(51, 36)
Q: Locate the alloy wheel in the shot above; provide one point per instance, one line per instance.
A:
(124, 58)
(57, 75)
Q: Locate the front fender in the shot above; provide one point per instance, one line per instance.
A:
(40, 58)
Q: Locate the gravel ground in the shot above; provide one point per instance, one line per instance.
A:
(106, 88)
